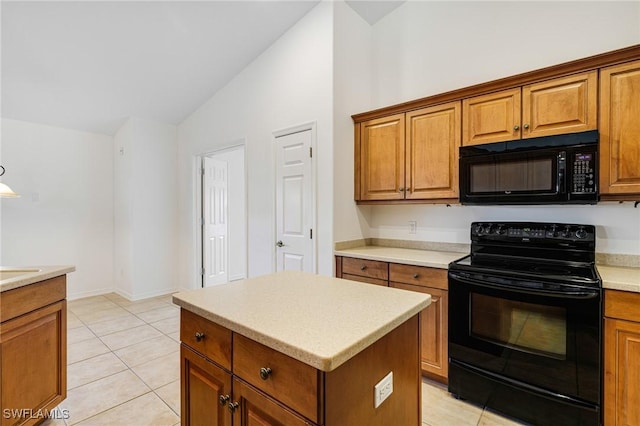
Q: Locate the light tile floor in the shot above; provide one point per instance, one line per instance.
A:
(124, 369)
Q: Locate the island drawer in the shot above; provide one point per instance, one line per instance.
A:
(365, 268)
(22, 300)
(209, 339)
(293, 383)
(418, 275)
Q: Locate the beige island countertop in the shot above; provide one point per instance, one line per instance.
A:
(12, 277)
(319, 320)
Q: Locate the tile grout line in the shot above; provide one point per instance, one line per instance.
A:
(130, 368)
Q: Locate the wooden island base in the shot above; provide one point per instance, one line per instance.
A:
(221, 381)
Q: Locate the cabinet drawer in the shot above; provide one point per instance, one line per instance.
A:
(367, 280)
(22, 300)
(622, 304)
(293, 383)
(418, 275)
(210, 339)
(365, 268)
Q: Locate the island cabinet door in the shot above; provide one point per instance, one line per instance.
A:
(205, 391)
(251, 407)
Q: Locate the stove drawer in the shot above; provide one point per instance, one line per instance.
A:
(418, 275)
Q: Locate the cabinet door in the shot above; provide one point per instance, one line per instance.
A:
(202, 385)
(562, 105)
(619, 129)
(491, 118)
(33, 362)
(253, 408)
(434, 351)
(433, 138)
(622, 373)
(381, 159)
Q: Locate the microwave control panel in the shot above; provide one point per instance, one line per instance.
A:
(583, 173)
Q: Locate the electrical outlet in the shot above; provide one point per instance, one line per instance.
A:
(413, 226)
(382, 390)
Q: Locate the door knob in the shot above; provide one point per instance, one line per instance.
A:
(280, 243)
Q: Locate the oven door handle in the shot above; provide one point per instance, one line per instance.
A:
(580, 294)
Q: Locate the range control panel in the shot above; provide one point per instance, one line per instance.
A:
(521, 231)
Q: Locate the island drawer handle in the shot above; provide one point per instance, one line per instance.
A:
(224, 399)
(416, 275)
(233, 406)
(363, 267)
(199, 336)
(265, 372)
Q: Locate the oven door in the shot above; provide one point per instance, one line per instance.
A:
(536, 334)
(521, 177)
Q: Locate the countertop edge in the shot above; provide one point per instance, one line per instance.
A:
(43, 273)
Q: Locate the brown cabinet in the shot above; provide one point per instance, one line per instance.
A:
(619, 129)
(434, 319)
(262, 386)
(434, 326)
(33, 351)
(412, 156)
(621, 358)
(562, 105)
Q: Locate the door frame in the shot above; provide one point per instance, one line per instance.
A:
(197, 219)
(312, 126)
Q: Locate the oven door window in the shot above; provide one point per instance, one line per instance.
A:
(523, 326)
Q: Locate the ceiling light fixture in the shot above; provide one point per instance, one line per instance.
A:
(5, 191)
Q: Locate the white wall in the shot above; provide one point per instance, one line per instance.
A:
(65, 214)
(289, 84)
(425, 48)
(146, 209)
(352, 82)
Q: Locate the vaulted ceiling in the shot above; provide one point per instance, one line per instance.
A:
(90, 65)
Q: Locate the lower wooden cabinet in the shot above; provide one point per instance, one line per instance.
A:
(205, 392)
(621, 358)
(33, 351)
(434, 319)
(265, 387)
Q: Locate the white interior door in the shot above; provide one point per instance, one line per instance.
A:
(294, 202)
(215, 242)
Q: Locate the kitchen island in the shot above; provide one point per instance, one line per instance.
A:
(298, 348)
(33, 342)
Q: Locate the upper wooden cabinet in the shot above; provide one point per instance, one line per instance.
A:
(411, 156)
(620, 129)
(562, 105)
(380, 155)
(433, 139)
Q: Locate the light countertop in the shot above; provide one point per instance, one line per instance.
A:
(319, 320)
(12, 277)
(613, 277)
(430, 258)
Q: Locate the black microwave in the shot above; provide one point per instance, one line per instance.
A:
(561, 169)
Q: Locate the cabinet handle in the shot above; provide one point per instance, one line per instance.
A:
(224, 399)
(526, 126)
(199, 336)
(363, 267)
(233, 406)
(416, 275)
(400, 189)
(265, 372)
(516, 127)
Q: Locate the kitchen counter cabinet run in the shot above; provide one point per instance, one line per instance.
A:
(434, 319)
(228, 377)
